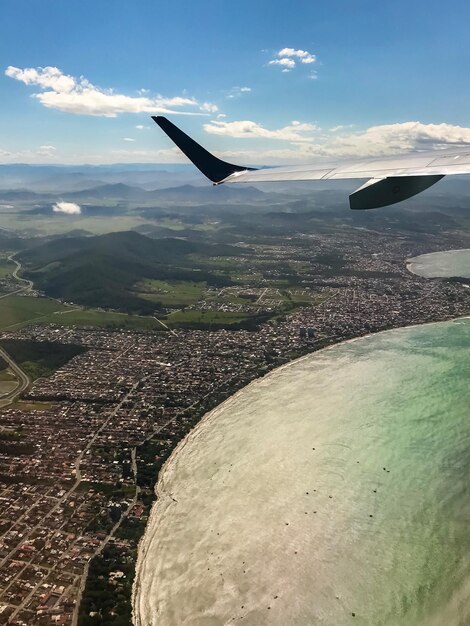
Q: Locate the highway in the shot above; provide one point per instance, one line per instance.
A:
(29, 283)
(23, 379)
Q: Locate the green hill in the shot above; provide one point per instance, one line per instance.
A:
(101, 271)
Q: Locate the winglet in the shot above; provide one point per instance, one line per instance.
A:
(215, 169)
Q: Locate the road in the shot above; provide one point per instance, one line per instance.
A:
(164, 325)
(262, 294)
(23, 379)
(29, 283)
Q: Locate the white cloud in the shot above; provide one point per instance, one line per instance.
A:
(335, 129)
(46, 77)
(46, 150)
(302, 55)
(287, 64)
(304, 142)
(236, 92)
(37, 155)
(394, 139)
(287, 58)
(79, 96)
(69, 208)
(128, 139)
(295, 132)
(177, 101)
(210, 108)
(142, 127)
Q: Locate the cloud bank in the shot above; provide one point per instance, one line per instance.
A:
(79, 96)
(295, 132)
(301, 142)
(47, 151)
(69, 208)
(41, 154)
(296, 142)
(396, 138)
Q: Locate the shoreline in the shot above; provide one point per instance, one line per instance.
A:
(423, 257)
(152, 525)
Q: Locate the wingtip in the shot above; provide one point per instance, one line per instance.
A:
(212, 167)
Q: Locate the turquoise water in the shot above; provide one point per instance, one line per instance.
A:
(441, 264)
(339, 484)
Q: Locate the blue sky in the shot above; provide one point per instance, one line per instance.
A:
(264, 82)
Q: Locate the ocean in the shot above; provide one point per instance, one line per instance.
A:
(441, 264)
(333, 491)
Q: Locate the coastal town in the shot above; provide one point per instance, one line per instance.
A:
(80, 453)
(234, 313)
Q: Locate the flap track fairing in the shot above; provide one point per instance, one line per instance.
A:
(379, 192)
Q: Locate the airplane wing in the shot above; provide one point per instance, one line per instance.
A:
(391, 179)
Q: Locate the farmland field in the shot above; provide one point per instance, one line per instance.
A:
(16, 311)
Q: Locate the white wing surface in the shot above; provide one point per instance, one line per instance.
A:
(391, 179)
(430, 163)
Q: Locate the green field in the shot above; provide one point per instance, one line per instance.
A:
(204, 317)
(7, 375)
(17, 311)
(104, 319)
(172, 294)
(6, 267)
(25, 405)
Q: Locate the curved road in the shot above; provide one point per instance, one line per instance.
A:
(29, 283)
(23, 378)
(11, 258)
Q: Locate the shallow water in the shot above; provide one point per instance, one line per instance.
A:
(336, 485)
(441, 264)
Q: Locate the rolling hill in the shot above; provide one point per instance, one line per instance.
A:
(101, 271)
